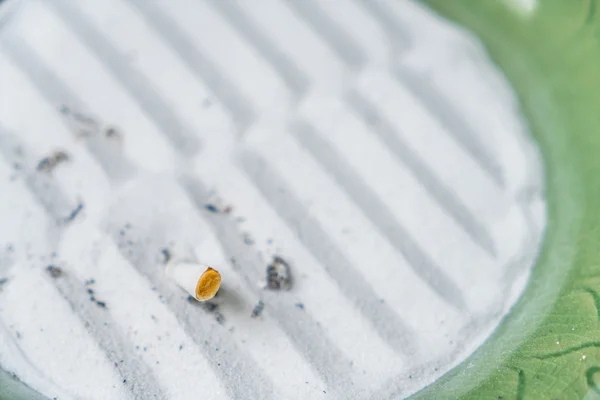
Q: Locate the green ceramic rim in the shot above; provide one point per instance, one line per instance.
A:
(549, 345)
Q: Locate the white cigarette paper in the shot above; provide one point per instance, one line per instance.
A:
(200, 281)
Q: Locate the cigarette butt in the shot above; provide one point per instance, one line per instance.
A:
(200, 281)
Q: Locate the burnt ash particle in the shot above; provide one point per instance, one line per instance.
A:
(84, 119)
(278, 275)
(54, 271)
(90, 291)
(212, 208)
(166, 255)
(111, 132)
(3, 281)
(60, 156)
(89, 282)
(74, 213)
(101, 304)
(248, 239)
(258, 309)
(209, 306)
(300, 306)
(47, 164)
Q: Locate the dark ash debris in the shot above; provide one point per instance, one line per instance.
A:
(54, 271)
(212, 208)
(111, 132)
(208, 306)
(278, 275)
(166, 255)
(2, 282)
(258, 309)
(74, 213)
(248, 239)
(47, 164)
(219, 317)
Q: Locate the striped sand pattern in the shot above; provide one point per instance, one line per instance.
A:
(369, 144)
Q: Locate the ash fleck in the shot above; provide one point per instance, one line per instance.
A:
(300, 306)
(101, 304)
(47, 164)
(112, 132)
(248, 239)
(278, 275)
(209, 306)
(54, 271)
(212, 208)
(166, 255)
(258, 309)
(74, 213)
(84, 119)
(2, 282)
(89, 282)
